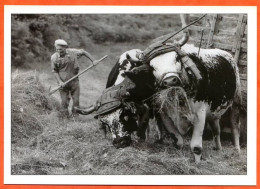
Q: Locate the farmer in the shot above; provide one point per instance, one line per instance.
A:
(64, 65)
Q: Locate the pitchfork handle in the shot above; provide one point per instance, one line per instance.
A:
(57, 88)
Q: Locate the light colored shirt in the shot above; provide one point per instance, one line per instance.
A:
(66, 66)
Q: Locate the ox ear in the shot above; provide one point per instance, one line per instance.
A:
(128, 56)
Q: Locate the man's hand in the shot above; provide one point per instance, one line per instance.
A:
(62, 84)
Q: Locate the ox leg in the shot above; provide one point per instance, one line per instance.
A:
(235, 125)
(196, 140)
(143, 122)
(170, 127)
(102, 128)
(159, 127)
(216, 133)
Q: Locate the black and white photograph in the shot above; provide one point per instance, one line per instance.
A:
(139, 94)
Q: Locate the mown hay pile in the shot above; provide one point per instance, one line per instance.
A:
(175, 100)
(29, 101)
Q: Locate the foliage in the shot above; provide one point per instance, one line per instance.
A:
(33, 36)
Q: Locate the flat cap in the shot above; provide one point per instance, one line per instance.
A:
(60, 42)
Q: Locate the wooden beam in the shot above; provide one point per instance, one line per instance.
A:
(237, 33)
(198, 28)
(229, 18)
(225, 32)
(239, 41)
(242, 62)
(243, 76)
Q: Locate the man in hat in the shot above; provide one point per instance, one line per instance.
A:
(64, 66)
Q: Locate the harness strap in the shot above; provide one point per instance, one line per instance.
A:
(190, 64)
(159, 48)
(155, 50)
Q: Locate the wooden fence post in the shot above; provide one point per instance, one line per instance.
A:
(239, 38)
(212, 30)
(239, 24)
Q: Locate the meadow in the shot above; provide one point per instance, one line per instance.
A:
(44, 144)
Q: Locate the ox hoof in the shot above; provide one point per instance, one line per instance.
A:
(197, 158)
(197, 151)
(179, 146)
(238, 150)
(159, 141)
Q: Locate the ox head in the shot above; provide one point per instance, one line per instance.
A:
(126, 62)
(121, 123)
(122, 118)
(167, 67)
(129, 60)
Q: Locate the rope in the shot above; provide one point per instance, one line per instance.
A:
(183, 28)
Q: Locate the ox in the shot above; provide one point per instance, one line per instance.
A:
(126, 62)
(211, 82)
(120, 109)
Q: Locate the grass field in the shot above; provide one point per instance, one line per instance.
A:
(44, 144)
(77, 146)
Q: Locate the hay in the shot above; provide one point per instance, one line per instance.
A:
(173, 99)
(29, 101)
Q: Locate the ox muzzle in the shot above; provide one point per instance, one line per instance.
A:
(170, 80)
(122, 142)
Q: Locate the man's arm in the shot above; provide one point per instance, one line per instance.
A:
(55, 71)
(88, 55)
(57, 76)
(82, 52)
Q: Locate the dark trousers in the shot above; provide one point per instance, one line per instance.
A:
(71, 89)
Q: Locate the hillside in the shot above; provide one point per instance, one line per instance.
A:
(33, 36)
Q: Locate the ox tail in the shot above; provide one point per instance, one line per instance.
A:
(85, 111)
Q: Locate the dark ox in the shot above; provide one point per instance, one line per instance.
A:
(211, 82)
(120, 109)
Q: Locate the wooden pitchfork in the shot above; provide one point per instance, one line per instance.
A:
(83, 71)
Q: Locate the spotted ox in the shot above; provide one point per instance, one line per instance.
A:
(211, 82)
(126, 62)
(120, 109)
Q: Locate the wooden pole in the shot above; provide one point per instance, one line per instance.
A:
(57, 88)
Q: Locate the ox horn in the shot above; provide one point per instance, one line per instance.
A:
(185, 19)
(85, 111)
